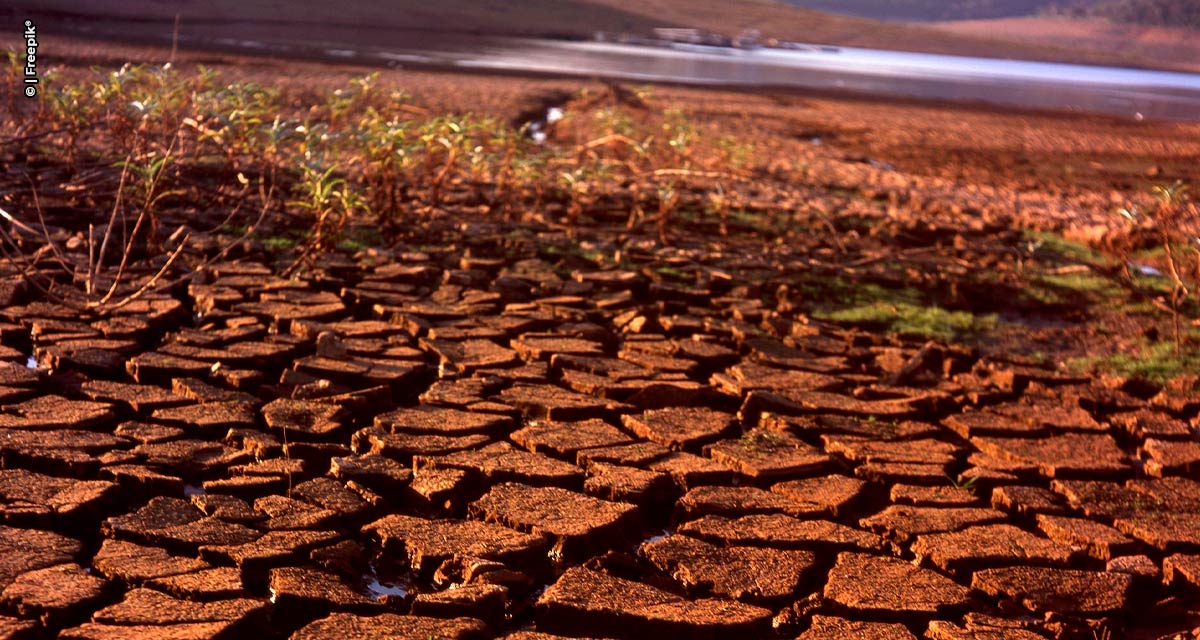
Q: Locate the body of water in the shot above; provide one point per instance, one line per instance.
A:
(1126, 92)
(1132, 93)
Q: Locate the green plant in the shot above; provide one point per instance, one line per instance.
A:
(443, 140)
(614, 121)
(331, 201)
(166, 139)
(230, 121)
(760, 439)
(387, 156)
(718, 205)
(577, 186)
(680, 134)
(1175, 222)
(735, 154)
(668, 200)
(14, 71)
(145, 187)
(968, 484)
(68, 105)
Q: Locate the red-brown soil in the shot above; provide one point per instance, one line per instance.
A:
(489, 426)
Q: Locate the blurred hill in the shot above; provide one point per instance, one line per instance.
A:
(1167, 47)
(577, 18)
(1159, 33)
(1160, 13)
(930, 10)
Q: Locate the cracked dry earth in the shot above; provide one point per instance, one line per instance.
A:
(436, 444)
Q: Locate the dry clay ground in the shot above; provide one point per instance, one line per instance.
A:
(515, 428)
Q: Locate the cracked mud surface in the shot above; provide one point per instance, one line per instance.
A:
(421, 444)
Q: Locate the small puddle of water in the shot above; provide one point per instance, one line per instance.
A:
(658, 537)
(31, 363)
(1146, 270)
(190, 490)
(380, 588)
(655, 538)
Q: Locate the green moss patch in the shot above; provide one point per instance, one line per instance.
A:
(927, 321)
(1156, 362)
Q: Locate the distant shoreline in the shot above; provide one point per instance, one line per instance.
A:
(999, 84)
(356, 28)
